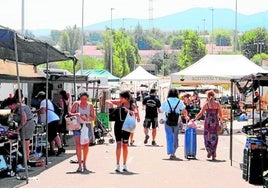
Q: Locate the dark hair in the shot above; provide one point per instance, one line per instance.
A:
(16, 94)
(173, 93)
(8, 102)
(64, 94)
(83, 94)
(125, 94)
(152, 91)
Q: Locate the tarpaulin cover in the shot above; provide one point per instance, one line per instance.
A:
(30, 51)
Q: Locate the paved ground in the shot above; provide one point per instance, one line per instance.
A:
(149, 166)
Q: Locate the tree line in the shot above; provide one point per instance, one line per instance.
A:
(188, 46)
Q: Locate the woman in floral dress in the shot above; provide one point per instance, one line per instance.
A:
(213, 118)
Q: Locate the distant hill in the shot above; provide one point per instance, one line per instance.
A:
(194, 19)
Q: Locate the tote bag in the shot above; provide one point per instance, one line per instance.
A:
(129, 124)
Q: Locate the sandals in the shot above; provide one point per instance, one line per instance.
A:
(79, 170)
(172, 156)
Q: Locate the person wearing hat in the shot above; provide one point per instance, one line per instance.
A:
(52, 120)
(151, 104)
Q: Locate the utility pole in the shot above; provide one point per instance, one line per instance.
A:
(111, 43)
(235, 37)
(212, 29)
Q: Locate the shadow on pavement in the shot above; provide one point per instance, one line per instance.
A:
(176, 159)
(216, 161)
(124, 173)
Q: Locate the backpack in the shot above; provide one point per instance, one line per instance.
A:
(173, 116)
(57, 109)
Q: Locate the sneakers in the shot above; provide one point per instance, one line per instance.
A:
(146, 139)
(153, 143)
(125, 168)
(60, 150)
(117, 168)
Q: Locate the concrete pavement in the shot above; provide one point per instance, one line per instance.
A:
(149, 166)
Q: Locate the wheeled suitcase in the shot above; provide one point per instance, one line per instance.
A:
(190, 143)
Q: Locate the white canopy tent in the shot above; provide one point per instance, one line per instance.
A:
(139, 74)
(138, 78)
(216, 70)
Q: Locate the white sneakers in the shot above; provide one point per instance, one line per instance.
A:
(117, 168)
(124, 168)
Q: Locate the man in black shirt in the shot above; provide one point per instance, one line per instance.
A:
(151, 104)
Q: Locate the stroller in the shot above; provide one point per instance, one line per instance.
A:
(100, 131)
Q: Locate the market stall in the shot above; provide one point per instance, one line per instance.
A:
(255, 156)
(25, 50)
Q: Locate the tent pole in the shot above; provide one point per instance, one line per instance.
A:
(46, 119)
(74, 64)
(23, 137)
(231, 123)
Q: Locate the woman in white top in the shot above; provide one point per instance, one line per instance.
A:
(172, 132)
(85, 113)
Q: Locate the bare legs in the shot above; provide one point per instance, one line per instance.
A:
(153, 134)
(81, 150)
(124, 147)
(131, 138)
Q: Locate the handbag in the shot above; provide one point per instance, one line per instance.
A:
(129, 124)
(72, 123)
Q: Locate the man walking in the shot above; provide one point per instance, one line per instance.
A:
(151, 104)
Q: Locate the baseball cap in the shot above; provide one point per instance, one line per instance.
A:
(40, 94)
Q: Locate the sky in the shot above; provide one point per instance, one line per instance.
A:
(58, 14)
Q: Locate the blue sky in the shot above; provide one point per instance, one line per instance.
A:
(58, 14)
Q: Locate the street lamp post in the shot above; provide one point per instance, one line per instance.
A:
(204, 24)
(22, 17)
(235, 37)
(212, 29)
(82, 40)
(111, 43)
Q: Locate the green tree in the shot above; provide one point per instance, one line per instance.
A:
(192, 49)
(176, 42)
(125, 52)
(254, 42)
(223, 37)
(70, 40)
(259, 57)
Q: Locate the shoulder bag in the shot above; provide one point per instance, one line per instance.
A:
(72, 122)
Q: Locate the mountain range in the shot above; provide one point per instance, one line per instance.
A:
(199, 19)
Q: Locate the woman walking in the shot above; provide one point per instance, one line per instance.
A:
(172, 132)
(85, 113)
(213, 118)
(125, 105)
